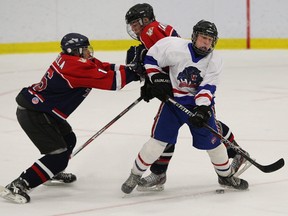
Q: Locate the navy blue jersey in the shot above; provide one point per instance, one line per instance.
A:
(69, 80)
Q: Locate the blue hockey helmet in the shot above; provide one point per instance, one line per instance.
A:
(73, 44)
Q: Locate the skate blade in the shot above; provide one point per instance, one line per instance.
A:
(16, 198)
(56, 183)
(154, 188)
(243, 168)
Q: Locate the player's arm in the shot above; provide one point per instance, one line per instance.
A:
(155, 60)
(207, 88)
(88, 74)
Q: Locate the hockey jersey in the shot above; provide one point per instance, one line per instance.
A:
(194, 78)
(69, 80)
(155, 31)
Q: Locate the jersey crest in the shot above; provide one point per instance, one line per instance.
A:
(190, 77)
(150, 31)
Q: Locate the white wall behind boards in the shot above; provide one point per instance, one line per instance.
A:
(37, 21)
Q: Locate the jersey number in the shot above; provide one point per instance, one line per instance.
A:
(42, 85)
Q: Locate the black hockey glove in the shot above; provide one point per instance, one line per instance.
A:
(201, 115)
(161, 86)
(131, 75)
(134, 59)
(146, 93)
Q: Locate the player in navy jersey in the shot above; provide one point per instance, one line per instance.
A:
(44, 107)
(142, 26)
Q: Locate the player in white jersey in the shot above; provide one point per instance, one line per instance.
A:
(194, 70)
(143, 26)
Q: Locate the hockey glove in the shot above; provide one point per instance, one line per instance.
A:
(134, 59)
(131, 75)
(201, 115)
(146, 93)
(161, 86)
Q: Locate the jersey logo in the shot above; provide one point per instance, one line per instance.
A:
(82, 60)
(35, 100)
(190, 77)
(150, 31)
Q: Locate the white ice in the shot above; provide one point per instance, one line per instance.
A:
(252, 99)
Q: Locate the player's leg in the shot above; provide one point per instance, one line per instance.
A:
(205, 140)
(219, 159)
(164, 131)
(157, 178)
(239, 164)
(47, 135)
(64, 177)
(147, 155)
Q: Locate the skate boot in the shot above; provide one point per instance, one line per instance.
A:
(233, 182)
(16, 191)
(64, 177)
(60, 179)
(239, 164)
(152, 182)
(130, 183)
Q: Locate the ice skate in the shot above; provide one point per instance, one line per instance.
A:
(233, 182)
(239, 164)
(152, 182)
(129, 185)
(16, 191)
(61, 178)
(65, 177)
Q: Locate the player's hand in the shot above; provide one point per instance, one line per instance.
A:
(146, 91)
(135, 59)
(161, 86)
(201, 115)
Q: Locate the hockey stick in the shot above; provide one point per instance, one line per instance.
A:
(264, 168)
(105, 127)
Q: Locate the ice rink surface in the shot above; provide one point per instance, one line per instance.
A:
(252, 99)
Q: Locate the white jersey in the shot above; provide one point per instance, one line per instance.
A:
(194, 79)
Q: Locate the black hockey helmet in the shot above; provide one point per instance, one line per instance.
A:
(73, 43)
(139, 11)
(206, 28)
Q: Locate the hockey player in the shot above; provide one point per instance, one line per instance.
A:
(44, 107)
(142, 26)
(197, 96)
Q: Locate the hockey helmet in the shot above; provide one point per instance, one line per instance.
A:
(139, 11)
(73, 44)
(205, 28)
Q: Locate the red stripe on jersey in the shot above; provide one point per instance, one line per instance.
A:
(39, 173)
(59, 113)
(179, 92)
(142, 161)
(203, 95)
(37, 95)
(152, 70)
(123, 78)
